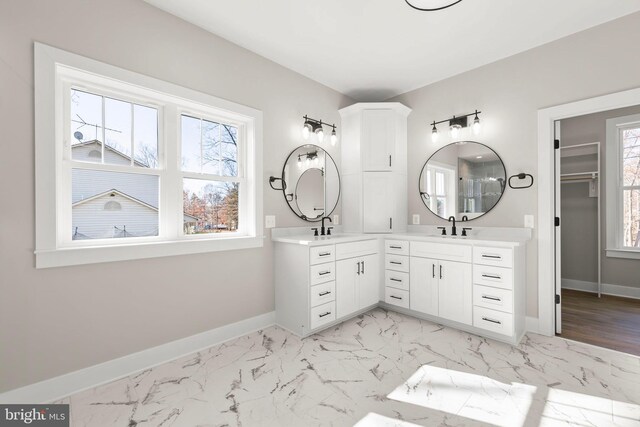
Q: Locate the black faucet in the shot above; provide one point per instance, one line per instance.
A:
(322, 229)
(465, 218)
(453, 229)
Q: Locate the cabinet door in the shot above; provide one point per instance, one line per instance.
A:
(378, 139)
(369, 281)
(347, 286)
(423, 283)
(455, 291)
(377, 202)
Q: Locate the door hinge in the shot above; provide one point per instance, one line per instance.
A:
(557, 299)
(557, 221)
(556, 144)
(389, 160)
(390, 223)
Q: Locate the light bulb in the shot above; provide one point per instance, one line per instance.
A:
(334, 137)
(455, 131)
(477, 127)
(316, 161)
(299, 162)
(320, 133)
(434, 134)
(308, 161)
(306, 129)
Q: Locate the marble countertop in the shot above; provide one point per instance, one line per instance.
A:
(481, 238)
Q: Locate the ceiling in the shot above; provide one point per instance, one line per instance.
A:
(372, 50)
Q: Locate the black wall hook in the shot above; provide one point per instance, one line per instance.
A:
(521, 176)
(273, 179)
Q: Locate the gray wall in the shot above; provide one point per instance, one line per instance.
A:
(579, 225)
(59, 320)
(510, 92)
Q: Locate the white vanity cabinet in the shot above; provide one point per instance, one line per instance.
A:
(319, 285)
(442, 286)
(374, 167)
(357, 277)
(396, 273)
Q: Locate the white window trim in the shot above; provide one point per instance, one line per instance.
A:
(615, 248)
(49, 142)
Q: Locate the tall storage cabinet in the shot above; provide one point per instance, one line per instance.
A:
(374, 167)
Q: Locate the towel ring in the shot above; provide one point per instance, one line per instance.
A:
(521, 176)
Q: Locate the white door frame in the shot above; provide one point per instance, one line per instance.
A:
(546, 183)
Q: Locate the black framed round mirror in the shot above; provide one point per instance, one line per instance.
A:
(463, 179)
(311, 183)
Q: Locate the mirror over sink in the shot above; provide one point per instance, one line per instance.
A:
(311, 183)
(463, 179)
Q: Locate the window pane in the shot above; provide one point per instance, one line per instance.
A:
(86, 126)
(117, 132)
(229, 152)
(113, 205)
(191, 144)
(145, 136)
(440, 183)
(632, 218)
(631, 156)
(210, 147)
(209, 206)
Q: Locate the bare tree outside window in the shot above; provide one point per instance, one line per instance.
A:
(631, 186)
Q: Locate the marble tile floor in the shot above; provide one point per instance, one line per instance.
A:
(379, 369)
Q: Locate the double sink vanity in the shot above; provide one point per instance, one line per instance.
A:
(473, 280)
(475, 284)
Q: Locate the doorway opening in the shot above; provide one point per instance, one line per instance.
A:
(597, 228)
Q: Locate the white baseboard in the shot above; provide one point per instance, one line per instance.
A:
(607, 289)
(93, 376)
(532, 325)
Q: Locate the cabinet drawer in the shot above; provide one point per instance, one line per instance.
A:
(497, 257)
(496, 277)
(320, 254)
(322, 273)
(396, 262)
(396, 279)
(492, 320)
(356, 249)
(322, 294)
(396, 297)
(323, 314)
(493, 298)
(397, 247)
(444, 251)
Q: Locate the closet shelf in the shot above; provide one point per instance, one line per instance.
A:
(590, 148)
(579, 176)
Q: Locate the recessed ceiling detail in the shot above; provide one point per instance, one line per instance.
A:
(372, 50)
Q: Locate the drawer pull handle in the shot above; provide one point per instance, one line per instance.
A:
(395, 280)
(395, 262)
(324, 273)
(491, 256)
(395, 247)
(492, 321)
(322, 294)
(325, 254)
(325, 314)
(395, 297)
(492, 276)
(491, 298)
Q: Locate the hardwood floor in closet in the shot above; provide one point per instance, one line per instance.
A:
(610, 322)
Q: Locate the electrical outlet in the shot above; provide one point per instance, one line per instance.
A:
(416, 219)
(269, 221)
(336, 219)
(529, 221)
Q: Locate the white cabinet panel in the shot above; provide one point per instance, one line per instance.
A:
(396, 247)
(347, 286)
(323, 314)
(493, 298)
(445, 251)
(356, 249)
(322, 294)
(397, 297)
(322, 273)
(492, 320)
(378, 139)
(320, 254)
(497, 257)
(377, 202)
(423, 284)
(396, 262)
(396, 279)
(497, 277)
(369, 281)
(455, 291)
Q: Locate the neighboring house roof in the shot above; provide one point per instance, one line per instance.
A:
(120, 193)
(107, 147)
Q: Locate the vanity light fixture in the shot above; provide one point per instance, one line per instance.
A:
(317, 126)
(456, 124)
(431, 5)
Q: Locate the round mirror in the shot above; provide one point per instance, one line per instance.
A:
(462, 179)
(312, 183)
